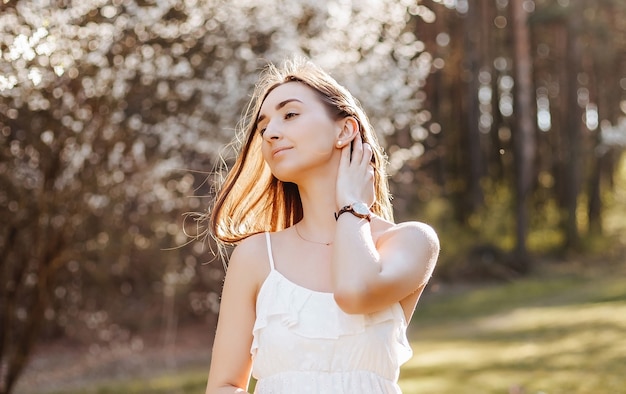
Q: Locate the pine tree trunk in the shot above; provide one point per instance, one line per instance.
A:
(524, 132)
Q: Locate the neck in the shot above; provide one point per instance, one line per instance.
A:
(318, 207)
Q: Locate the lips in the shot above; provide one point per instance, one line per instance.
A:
(276, 151)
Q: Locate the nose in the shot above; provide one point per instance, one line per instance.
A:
(272, 131)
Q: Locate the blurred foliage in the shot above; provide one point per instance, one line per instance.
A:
(115, 113)
(463, 182)
(479, 249)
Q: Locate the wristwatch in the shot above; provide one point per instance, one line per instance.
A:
(358, 209)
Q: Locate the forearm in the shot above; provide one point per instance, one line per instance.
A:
(355, 263)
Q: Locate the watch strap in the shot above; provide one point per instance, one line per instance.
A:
(349, 208)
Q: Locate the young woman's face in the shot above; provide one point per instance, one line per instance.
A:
(297, 132)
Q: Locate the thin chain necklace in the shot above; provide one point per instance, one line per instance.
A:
(308, 240)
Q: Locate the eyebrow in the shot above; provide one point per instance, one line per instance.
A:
(278, 106)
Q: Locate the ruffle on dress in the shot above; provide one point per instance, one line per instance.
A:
(279, 298)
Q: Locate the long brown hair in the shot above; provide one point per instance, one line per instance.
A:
(251, 200)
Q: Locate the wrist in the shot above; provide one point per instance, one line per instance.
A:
(358, 209)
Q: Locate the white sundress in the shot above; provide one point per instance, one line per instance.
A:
(304, 343)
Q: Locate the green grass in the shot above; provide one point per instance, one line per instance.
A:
(555, 333)
(563, 330)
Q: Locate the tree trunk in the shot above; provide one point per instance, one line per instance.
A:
(573, 126)
(475, 163)
(524, 133)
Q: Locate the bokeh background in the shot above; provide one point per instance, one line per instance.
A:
(504, 122)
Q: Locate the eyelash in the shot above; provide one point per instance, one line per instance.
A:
(288, 116)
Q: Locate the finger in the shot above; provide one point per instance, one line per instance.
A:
(367, 154)
(345, 155)
(357, 149)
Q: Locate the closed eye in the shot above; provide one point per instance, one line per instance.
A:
(261, 128)
(288, 115)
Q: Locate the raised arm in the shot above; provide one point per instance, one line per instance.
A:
(369, 277)
(371, 273)
(231, 362)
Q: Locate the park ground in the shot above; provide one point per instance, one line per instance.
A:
(560, 330)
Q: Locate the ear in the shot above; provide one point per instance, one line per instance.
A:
(348, 130)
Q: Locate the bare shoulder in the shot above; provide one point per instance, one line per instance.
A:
(410, 236)
(408, 231)
(410, 249)
(250, 248)
(417, 231)
(249, 261)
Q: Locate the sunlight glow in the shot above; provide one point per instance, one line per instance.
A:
(485, 95)
(613, 135)
(35, 76)
(505, 103)
(591, 116)
(544, 119)
(7, 82)
(59, 70)
(460, 5)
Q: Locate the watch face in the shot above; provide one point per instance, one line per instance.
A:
(361, 209)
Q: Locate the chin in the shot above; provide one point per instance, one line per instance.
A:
(293, 172)
(284, 178)
(290, 175)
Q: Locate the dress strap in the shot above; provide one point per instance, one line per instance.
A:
(269, 250)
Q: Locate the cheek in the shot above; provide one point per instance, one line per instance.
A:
(323, 151)
(323, 135)
(265, 152)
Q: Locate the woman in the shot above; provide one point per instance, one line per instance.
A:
(322, 284)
